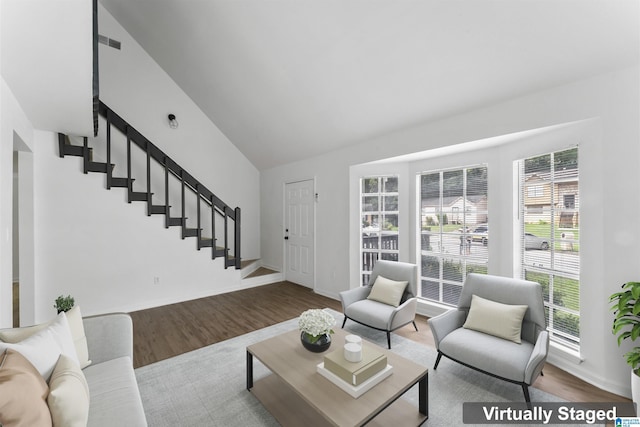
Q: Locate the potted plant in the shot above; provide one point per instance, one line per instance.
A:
(64, 303)
(316, 329)
(626, 325)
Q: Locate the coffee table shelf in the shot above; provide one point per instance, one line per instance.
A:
(295, 394)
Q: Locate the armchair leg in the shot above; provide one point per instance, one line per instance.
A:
(525, 389)
(344, 321)
(435, 366)
(415, 326)
(389, 339)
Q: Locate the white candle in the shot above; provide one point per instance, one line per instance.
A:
(353, 352)
(353, 339)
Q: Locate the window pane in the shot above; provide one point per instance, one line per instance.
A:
(390, 203)
(370, 225)
(370, 242)
(452, 270)
(430, 267)
(370, 204)
(452, 186)
(369, 185)
(425, 241)
(390, 223)
(389, 242)
(430, 290)
(451, 293)
(566, 325)
(390, 184)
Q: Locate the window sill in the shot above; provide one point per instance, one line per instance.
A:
(564, 353)
(431, 308)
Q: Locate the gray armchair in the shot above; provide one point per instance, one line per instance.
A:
(378, 315)
(519, 363)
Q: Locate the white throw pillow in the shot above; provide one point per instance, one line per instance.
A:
(14, 335)
(494, 318)
(387, 291)
(68, 398)
(44, 348)
(76, 325)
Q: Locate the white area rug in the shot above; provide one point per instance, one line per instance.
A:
(207, 387)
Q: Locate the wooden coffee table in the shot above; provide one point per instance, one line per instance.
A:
(297, 395)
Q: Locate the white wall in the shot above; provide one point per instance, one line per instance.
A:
(47, 53)
(105, 252)
(610, 189)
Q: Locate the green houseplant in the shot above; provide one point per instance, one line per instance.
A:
(626, 325)
(63, 303)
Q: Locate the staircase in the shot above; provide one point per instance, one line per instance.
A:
(212, 216)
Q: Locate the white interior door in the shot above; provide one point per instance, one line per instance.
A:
(299, 233)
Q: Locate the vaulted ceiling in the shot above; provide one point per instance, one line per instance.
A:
(289, 79)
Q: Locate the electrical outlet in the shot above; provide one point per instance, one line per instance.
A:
(156, 280)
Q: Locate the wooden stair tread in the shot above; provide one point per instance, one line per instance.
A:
(121, 182)
(139, 196)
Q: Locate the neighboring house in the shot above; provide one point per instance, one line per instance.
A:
(455, 210)
(540, 197)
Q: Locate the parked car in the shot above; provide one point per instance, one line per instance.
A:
(532, 241)
(481, 234)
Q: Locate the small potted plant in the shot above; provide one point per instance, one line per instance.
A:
(316, 329)
(63, 303)
(626, 325)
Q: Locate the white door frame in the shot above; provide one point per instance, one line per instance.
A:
(284, 227)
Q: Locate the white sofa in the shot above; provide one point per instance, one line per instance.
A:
(103, 393)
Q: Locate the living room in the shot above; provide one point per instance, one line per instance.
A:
(81, 235)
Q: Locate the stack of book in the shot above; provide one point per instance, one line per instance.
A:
(355, 378)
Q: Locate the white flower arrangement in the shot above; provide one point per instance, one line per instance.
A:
(316, 322)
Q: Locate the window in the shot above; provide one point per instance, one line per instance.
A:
(379, 222)
(549, 244)
(454, 235)
(535, 191)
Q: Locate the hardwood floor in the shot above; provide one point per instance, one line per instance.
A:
(163, 332)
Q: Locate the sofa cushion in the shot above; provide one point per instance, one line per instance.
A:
(372, 313)
(387, 291)
(491, 354)
(23, 392)
(76, 326)
(68, 394)
(115, 398)
(44, 347)
(494, 318)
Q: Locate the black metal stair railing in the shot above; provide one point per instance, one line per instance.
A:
(205, 199)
